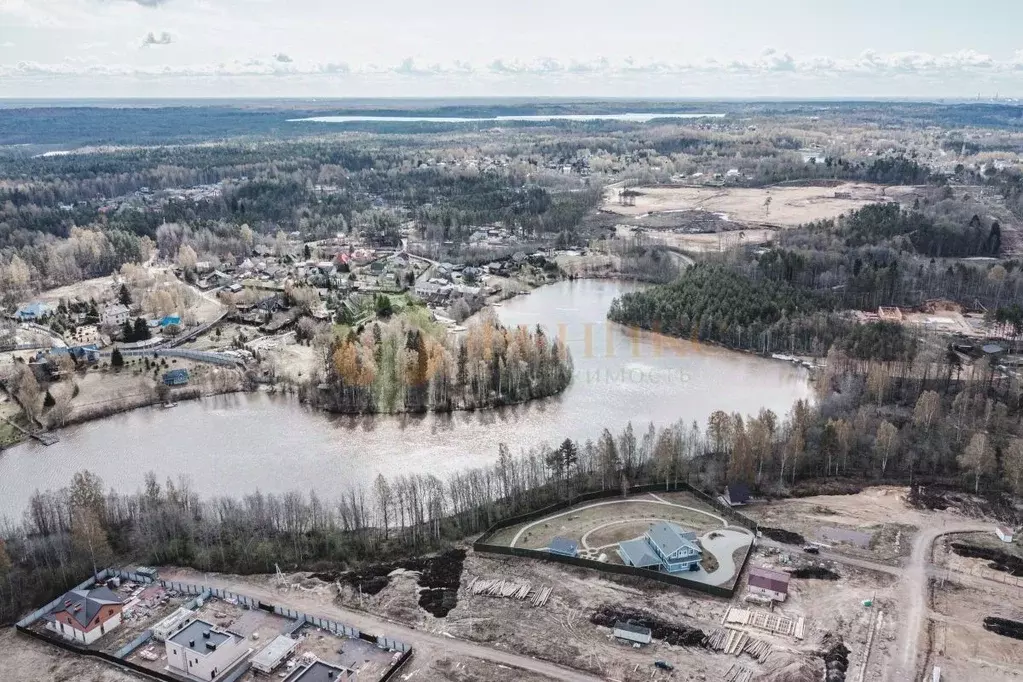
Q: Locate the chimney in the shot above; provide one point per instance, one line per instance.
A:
(206, 635)
(191, 643)
(330, 674)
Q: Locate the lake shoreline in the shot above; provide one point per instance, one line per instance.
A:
(238, 443)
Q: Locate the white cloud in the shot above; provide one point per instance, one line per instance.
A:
(773, 72)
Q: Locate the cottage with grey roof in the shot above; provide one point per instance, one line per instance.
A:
(664, 547)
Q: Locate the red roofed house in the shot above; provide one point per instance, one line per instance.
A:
(768, 583)
(85, 615)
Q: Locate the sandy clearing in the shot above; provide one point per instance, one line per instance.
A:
(789, 206)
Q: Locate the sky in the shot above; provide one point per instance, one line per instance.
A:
(553, 48)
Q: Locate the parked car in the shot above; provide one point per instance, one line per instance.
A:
(811, 549)
(664, 665)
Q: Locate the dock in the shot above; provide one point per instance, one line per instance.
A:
(44, 437)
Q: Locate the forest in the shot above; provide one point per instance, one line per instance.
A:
(408, 365)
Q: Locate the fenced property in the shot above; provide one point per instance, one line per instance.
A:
(202, 593)
(486, 543)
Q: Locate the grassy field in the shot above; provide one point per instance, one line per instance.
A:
(597, 523)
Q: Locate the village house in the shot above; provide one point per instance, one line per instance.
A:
(114, 315)
(737, 494)
(85, 615)
(203, 651)
(664, 547)
(32, 312)
(176, 377)
(767, 583)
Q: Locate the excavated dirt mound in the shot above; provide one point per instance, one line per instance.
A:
(994, 504)
(672, 633)
(439, 577)
(1004, 627)
(814, 573)
(836, 658)
(1000, 561)
(782, 535)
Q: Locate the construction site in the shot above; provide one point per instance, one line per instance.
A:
(878, 585)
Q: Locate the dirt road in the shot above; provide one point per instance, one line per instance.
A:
(438, 643)
(913, 584)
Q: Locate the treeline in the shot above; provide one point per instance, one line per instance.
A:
(403, 366)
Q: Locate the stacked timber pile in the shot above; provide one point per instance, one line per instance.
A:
(510, 589)
(737, 673)
(735, 642)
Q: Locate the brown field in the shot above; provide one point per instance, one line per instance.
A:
(879, 512)
(790, 206)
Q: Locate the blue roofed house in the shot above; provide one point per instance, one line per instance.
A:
(32, 312)
(563, 546)
(88, 354)
(176, 377)
(664, 547)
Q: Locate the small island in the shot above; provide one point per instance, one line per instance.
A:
(410, 364)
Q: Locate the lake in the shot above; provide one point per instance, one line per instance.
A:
(234, 444)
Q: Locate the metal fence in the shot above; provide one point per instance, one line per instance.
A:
(126, 650)
(196, 355)
(483, 545)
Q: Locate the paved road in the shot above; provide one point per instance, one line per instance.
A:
(423, 641)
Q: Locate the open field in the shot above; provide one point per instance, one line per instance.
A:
(878, 516)
(789, 206)
(27, 660)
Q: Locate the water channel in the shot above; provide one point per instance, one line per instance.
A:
(232, 445)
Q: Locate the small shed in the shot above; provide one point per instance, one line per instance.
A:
(768, 583)
(631, 632)
(563, 546)
(992, 350)
(1004, 533)
(273, 654)
(176, 377)
(737, 494)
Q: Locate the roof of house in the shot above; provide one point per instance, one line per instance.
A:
(765, 578)
(631, 627)
(564, 546)
(116, 309)
(992, 348)
(191, 636)
(83, 605)
(319, 672)
(176, 374)
(738, 492)
(273, 652)
(33, 310)
(637, 552)
(669, 538)
(1005, 530)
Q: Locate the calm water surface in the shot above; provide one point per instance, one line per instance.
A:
(230, 445)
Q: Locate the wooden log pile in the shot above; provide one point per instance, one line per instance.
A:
(736, 642)
(509, 589)
(737, 673)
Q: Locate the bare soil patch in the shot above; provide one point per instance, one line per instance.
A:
(789, 206)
